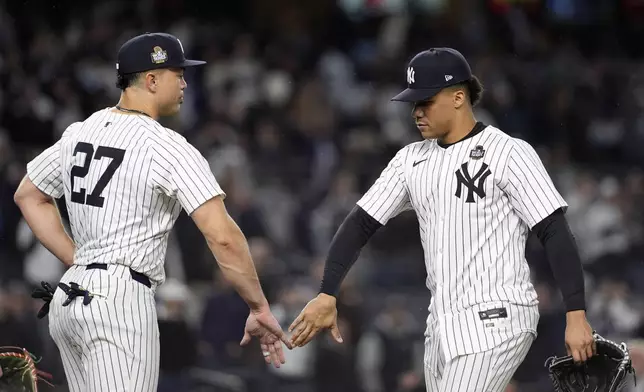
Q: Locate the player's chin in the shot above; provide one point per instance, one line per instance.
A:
(172, 110)
(427, 132)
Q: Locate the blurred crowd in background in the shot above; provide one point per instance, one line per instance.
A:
(292, 111)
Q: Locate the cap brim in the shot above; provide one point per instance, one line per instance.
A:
(416, 95)
(191, 63)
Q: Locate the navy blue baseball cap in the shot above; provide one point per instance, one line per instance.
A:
(152, 51)
(431, 71)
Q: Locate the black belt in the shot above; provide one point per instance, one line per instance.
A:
(139, 277)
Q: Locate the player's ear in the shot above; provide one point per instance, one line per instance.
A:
(151, 81)
(459, 98)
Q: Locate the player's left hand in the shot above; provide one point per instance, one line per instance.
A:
(320, 313)
(579, 336)
(261, 327)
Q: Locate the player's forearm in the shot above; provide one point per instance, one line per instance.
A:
(233, 256)
(345, 247)
(45, 222)
(563, 256)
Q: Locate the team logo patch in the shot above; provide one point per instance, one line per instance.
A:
(477, 152)
(159, 56)
(475, 183)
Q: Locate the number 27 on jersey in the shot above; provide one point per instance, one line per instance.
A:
(80, 171)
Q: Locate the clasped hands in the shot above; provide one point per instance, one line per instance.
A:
(319, 314)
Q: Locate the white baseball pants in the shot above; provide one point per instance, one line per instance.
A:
(488, 371)
(111, 344)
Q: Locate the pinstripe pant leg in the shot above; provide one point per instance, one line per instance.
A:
(488, 371)
(64, 332)
(434, 364)
(70, 354)
(146, 346)
(123, 338)
(432, 382)
(508, 358)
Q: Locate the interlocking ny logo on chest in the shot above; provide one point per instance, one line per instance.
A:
(475, 184)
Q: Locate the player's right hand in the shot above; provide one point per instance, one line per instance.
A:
(264, 326)
(579, 336)
(320, 313)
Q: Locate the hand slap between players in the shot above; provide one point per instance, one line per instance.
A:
(266, 328)
(579, 336)
(320, 313)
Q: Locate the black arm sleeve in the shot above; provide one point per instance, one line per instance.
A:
(563, 256)
(345, 247)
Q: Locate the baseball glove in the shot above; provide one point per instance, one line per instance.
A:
(18, 371)
(604, 372)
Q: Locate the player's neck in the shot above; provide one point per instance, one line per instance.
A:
(130, 103)
(461, 127)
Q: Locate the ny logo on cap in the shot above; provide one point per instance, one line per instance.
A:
(159, 55)
(410, 75)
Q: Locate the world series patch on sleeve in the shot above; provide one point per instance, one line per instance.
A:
(18, 372)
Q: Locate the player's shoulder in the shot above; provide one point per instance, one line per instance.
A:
(169, 135)
(412, 150)
(166, 136)
(496, 135)
(72, 129)
(89, 121)
(501, 137)
(173, 144)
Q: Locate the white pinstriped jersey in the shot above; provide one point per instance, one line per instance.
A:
(125, 179)
(475, 201)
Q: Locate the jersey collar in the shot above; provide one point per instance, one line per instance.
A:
(478, 128)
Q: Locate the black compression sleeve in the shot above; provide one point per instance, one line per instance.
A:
(345, 247)
(563, 256)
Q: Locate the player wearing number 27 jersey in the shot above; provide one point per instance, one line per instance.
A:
(104, 163)
(125, 179)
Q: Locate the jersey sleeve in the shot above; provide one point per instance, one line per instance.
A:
(45, 173)
(388, 196)
(530, 189)
(184, 174)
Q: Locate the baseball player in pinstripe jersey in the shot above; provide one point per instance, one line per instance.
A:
(477, 194)
(125, 179)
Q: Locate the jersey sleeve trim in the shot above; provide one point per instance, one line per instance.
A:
(44, 172)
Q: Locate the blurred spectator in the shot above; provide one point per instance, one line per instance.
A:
(178, 340)
(293, 114)
(18, 324)
(326, 218)
(613, 310)
(336, 365)
(297, 373)
(270, 270)
(386, 351)
(222, 326)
